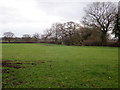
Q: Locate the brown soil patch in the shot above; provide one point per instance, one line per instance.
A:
(7, 63)
(17, 65)
(5, 71)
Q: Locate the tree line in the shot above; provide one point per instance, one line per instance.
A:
(10, 37)
(100, 21)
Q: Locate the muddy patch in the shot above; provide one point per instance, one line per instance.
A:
(10, 64)
(7, 63)
(17, 65)
(5, 70)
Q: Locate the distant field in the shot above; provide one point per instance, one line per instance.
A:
(58, 66)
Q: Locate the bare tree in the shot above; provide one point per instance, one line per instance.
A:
(67, 33)
(36, 36)
(8, 36)
(57, 32)
(101, 15)
(47, 34)
(26, 37)
(54, 33)
(71, 33)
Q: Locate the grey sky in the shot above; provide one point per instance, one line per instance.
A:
(30, 16)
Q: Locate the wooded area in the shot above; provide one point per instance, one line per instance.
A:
(101, 20)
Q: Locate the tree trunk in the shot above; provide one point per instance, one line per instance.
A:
(9, 40)
(118, 38)
(56, 40)
(104, 38)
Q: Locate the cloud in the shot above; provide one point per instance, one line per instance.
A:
(24, 15)
(29, 16)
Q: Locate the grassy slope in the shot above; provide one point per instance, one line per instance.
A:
(64, 66)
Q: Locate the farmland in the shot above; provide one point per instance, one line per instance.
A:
(59, 66)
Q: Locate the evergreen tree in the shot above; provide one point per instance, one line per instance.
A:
(117, 25)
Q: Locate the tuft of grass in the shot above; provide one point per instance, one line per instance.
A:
(59, 66)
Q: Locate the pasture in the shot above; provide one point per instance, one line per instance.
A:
(59, 66)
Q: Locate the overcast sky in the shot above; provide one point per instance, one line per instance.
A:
(30, 16)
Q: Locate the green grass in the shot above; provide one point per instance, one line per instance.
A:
(59, 66)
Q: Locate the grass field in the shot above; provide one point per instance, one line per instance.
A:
(58, 66)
